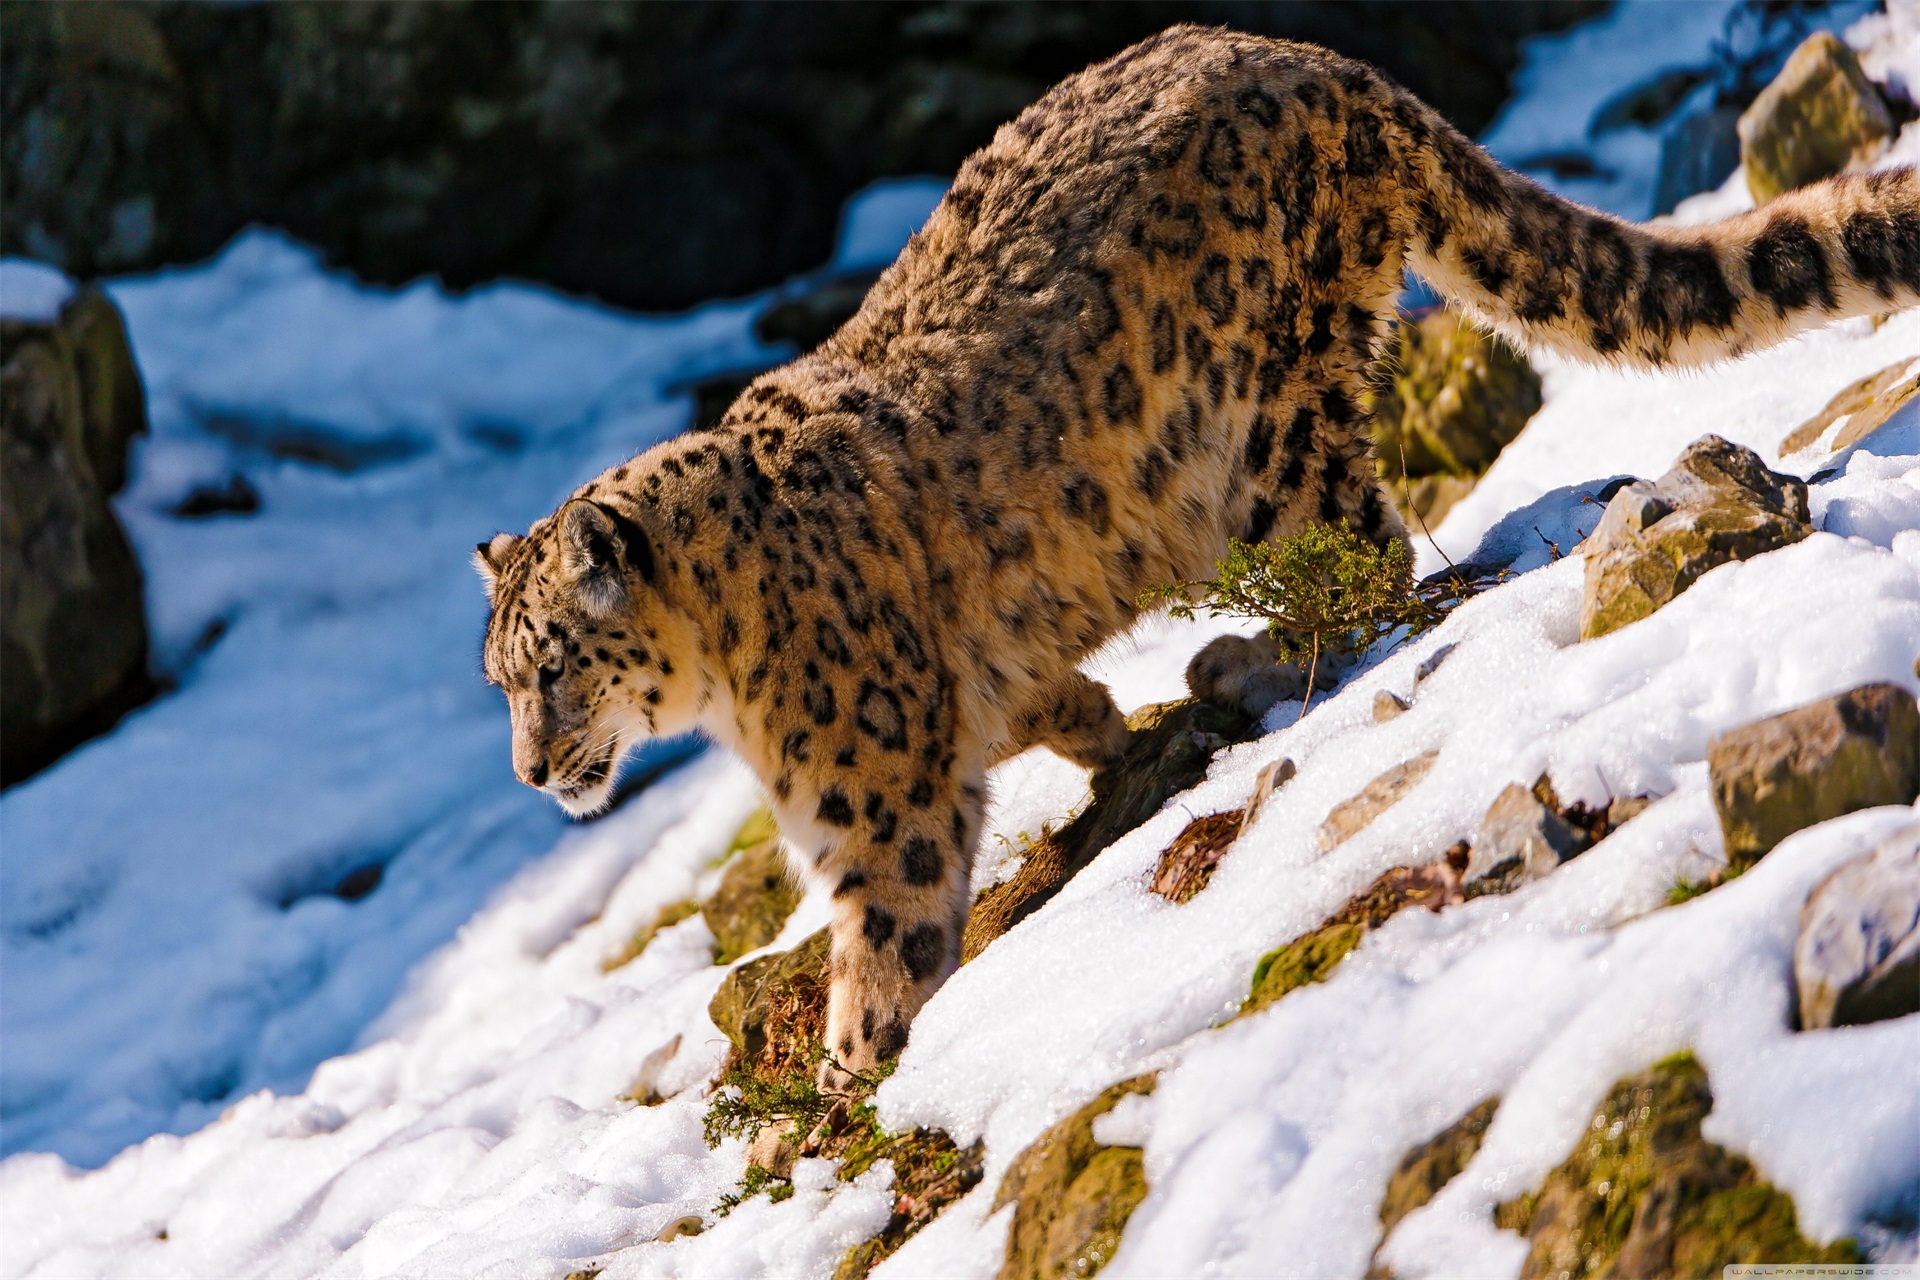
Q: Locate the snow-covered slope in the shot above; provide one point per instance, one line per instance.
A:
(176, 960)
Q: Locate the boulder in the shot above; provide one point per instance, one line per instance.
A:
(1719, 503)
(73, 638)
(1457, 397)
(1775, 776)
(1072, 1194)
(1820, 115)
(1252, 673)
(1519, 829)
(1857, 958)
(1643, 1194)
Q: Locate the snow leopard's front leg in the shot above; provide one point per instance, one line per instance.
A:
(901, 893)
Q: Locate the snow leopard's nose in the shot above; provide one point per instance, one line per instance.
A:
(535, 775)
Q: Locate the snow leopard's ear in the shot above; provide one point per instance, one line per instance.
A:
(490, 557)
(598, 544)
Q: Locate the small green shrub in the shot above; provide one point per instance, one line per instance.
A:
(1325, 590)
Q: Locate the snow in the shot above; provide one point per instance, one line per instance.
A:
(1557, 127)
(213, 1065)
(32, 291)
(881, 220)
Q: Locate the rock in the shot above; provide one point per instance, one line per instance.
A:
(1820, 115)
(1519, 828)
(73, 639)
(1188, 863)
(1857, 958)
(1624, 809)
(774, 1009)
(691, 1225)
(1643, 1194)
(1719, 503)
(755, 896)
(1313, 956)
(1456, 398)
(1432, 663)
(1247, 673)
(1073, 1195)
(1776, 776)
(1696, 155)
(1388, 706)
(1353, 814)
(1310, 958)
(1269, 780)
(1433, 1164)
(654, 156)
(1858, 408)
(1173, 742)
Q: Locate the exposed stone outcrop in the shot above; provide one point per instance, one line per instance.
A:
(1352, 815)
(1643, 1194)
(1775, 776)
(1173, 744)
(1858, 408)
(1857, 958)
(755, 896)
(1819, 115)
(1433, 1164)
(1519, 828)
(73, 637)
(1073, 1195)
(1719, 503)
(1456, 396)
(1313, 956)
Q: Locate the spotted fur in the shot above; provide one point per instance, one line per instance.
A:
(1137, 326)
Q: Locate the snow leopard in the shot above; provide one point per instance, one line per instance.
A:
(1138, 325)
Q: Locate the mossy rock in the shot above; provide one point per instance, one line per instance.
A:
(1073, 1194)
(1861, 407)
(1434, 1163)
(1819, 115)
(1314, 956)
(755, 896)
(930, 1172)
(1718, 504)
(774, 1008)
(1172, 745)
(1776, 776)
(1310, 958)
(1643, 1194)
(1457, 396)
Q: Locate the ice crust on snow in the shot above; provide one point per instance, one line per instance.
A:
(428, 1081)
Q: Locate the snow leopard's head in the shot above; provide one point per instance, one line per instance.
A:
(584, 646)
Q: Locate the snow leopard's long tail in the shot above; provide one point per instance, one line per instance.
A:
(1549, 273)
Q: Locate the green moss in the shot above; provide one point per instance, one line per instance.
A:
(1073, 1196)
(755, 896)
(1433, 1164)
(755, 1181)
(1643, 1193)
(1311, 958)
(671, 914)
(1454, 398)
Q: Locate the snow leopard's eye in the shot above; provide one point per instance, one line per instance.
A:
(551, 672)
